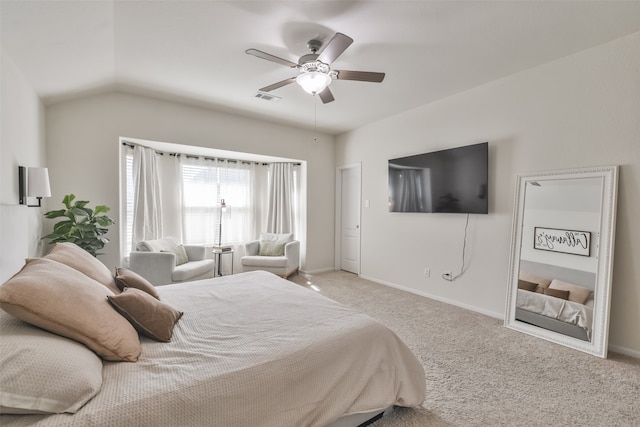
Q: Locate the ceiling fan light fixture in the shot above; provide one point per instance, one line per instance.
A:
(313, 82)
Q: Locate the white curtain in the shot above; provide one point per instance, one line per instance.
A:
(171, 189)
(280, 215)
(147, 202)
(260, 200)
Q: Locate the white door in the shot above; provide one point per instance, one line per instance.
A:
(350, 220)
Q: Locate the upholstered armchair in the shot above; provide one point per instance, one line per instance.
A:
(164, 261)
(276, 253)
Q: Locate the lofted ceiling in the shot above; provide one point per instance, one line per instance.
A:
(194, 51)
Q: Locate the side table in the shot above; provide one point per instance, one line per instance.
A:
(217, 256)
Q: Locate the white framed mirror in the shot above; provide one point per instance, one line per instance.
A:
(562, 256)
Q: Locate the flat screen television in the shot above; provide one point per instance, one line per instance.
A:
(454, 180)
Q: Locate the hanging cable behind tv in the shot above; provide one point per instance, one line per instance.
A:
(451, 278)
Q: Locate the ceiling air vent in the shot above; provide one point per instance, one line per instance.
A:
(267, 97)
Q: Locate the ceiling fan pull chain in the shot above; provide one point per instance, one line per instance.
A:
(315, 119)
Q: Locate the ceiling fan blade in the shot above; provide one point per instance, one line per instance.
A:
(326, 96)
(277, 85)
(362, 76)
(272, 58)
(338, 44)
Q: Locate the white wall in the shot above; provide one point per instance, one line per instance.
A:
(21, 144)
(579, 111)
(82, 143)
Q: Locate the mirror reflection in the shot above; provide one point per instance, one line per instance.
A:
(557, 270)
(562, 256)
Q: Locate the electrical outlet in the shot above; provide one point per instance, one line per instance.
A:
(427, 272)
(447, 275)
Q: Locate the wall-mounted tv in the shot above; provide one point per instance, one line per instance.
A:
(453, 180)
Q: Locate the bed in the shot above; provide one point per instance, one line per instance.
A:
(250, 349)
(555, 314)
(555, 304)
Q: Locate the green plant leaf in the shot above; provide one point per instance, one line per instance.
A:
(68, 199)
(104, 220)
(85, 227)
(80, 225)
(78, 211)
(55, 214)
(63, 227)
(101, 209)
(81, 203)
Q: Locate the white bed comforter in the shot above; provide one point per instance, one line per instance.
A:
(253, 350)
(567, 311)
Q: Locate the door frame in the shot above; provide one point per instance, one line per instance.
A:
(338, 215)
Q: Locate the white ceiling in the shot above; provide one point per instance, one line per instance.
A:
(194, 51)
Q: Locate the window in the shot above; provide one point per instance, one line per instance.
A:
(192, 189)
(128, 196)
(205, 183)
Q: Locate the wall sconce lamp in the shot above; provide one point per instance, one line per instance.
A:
(33, 182)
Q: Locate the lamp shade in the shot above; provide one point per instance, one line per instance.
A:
(38, 182)
(313, 81)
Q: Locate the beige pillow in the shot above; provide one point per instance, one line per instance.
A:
(126, 278)
(77, 258)
(149, 316)
(557, 293)
(42, 372)
(534, 278)
(64, 301)
(577, 293)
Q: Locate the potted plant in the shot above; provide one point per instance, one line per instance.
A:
(81, 225)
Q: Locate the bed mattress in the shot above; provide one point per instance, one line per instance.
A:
(253, 350)
(568, 312)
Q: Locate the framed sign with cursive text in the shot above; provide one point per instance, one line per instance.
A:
(565, 241)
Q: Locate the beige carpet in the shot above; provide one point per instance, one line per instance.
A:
(479, 373)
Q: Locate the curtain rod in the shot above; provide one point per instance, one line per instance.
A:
(190, 156)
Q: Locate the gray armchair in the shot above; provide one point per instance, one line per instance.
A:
(276, 253)
(155, 260)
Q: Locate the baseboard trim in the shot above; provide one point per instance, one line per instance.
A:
(318, 271)
(612, 347)
(624, 350)
(493, 314)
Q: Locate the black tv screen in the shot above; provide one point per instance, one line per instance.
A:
(453, 180)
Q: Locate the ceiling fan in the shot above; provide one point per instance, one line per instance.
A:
(315, 73)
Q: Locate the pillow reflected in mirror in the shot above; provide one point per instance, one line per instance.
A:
(527, 286)
(557, 293)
